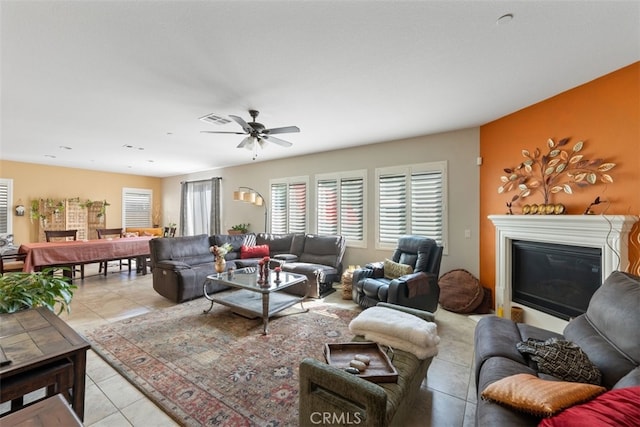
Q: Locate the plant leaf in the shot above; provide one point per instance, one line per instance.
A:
(606, 178)
(548, 171)
(550, 143)
(606, 166)
(575, 159)
(534, 183)
(528, 169)
(508, 170)
(563, 141)
(579, 177)
(553, 163)
(556, 189)
(504, 179)
(523, 187)
(525, 193)
(567, 189)
(561, 167)
(591, 178)
(554, 153)
(525, 153)
(578, 146)
(500, 190)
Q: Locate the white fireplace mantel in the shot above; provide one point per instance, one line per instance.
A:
(610, 233)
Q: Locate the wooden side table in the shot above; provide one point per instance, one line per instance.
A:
(51, 412)
(35, 339)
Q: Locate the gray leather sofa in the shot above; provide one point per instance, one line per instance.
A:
(607, 333)
(180, 265)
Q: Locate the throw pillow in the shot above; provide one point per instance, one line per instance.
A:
(562, 359)
(131, 234)
(530, 394)
(617, 407)
(393, 270)
(258, 251)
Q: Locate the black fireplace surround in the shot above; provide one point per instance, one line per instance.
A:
(555, 279)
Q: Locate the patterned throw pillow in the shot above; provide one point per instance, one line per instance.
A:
(533, 395)
(562, 359)
(393, 270)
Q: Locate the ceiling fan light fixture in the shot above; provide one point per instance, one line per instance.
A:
(238, 195)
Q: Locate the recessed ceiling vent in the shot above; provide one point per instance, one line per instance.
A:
(214, 119)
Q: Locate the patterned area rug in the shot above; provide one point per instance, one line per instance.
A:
(217, 368)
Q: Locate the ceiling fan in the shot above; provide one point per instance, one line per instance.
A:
(257, 133)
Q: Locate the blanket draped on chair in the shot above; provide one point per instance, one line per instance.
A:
(398, 330)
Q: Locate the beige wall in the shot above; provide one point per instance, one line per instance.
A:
(459, 148)
(33, 181)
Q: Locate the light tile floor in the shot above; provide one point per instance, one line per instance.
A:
(447, 396)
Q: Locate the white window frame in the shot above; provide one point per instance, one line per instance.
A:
(7, 206)
(407, 171)
(126, 191)
(339, 177)
(290, 181)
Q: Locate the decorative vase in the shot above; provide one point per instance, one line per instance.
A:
(220, 264)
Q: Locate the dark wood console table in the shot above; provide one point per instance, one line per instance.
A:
(36, 338)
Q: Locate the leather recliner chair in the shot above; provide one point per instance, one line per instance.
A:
(417, 290)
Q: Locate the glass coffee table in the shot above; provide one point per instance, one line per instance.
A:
(253, 299)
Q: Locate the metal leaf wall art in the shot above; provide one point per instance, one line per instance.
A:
(560, 170)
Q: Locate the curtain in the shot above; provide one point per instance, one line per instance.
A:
(200, 207)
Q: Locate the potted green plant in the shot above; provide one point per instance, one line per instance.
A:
(239, 229)
(19, 291)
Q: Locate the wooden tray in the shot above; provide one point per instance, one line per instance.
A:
(380, 369)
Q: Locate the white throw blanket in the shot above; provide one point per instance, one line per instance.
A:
(397, 329)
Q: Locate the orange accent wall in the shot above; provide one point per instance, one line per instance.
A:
(605, 113)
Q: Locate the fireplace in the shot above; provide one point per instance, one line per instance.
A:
(555, 279)
(608, 235)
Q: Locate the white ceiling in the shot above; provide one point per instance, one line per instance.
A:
(98, 75)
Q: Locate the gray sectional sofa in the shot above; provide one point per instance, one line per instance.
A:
(607, 333)
(180, 265)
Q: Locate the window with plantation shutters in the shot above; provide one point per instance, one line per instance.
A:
(289, 205)
(6, 190)
(411, 200)
(340, 205)
(136, 207)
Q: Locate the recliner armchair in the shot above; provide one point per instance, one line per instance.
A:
(417, 290)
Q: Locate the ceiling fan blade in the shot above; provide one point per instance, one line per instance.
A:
(215, 131)
(278, 141)
(286, 129)
(241, 122)
(247, 142)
